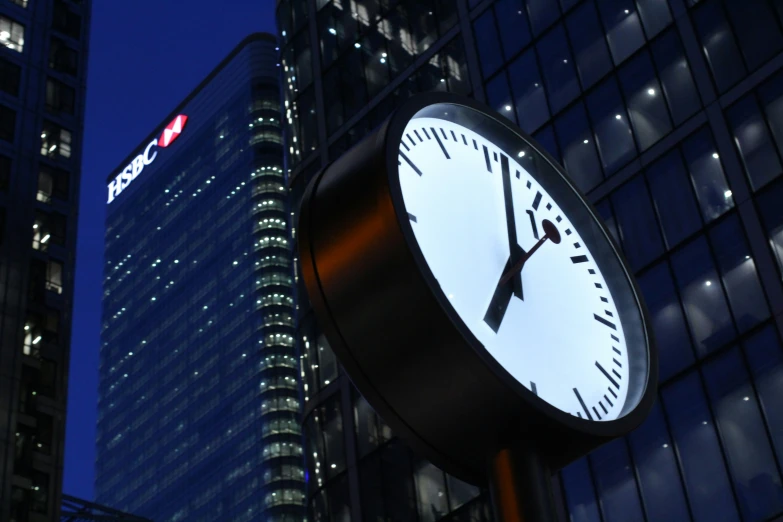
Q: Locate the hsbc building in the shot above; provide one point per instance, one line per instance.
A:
(198, 394)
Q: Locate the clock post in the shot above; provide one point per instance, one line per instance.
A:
(521, 486)
(476, 300)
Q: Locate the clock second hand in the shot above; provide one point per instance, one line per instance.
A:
(550, 232)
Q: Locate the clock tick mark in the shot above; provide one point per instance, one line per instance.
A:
(612, 392)
(549, 206)
(559, 219)
(617, 363)
(434, 133)
(454, 136)
(412, 217)
(579, 414)
(533, 387)
(518, 174)
(405, 145)
(596, 413)
(486, 158)
(584, 406)
(409, 162)
(495, 156)
(533, 223)
(605, 322)
(464, 140)
(475, 145)
(615, 338)
(604, 299)
(606, 374)
(577, 245)
(568, 231)
(607, 400)
(537, 201)
(579, 259)
(607, 312)
(598, 285)
(601, 404)
(617, 374)
(426, 133)
(418, 135)
(444, 134)
(591, 271)
(618, 352)
(413, 142)
(528, 184)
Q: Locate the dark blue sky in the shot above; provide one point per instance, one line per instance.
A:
(145, 57)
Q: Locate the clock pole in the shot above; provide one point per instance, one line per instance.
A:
(521, 486)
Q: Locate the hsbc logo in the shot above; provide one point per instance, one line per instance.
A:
(132, 171)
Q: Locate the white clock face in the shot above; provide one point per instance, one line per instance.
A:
(514, 267)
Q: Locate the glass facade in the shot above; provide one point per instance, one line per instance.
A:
(666, 113)
(199, 396)
(41, 126)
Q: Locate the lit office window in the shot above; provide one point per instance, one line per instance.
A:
(55, 141)
(11, 34)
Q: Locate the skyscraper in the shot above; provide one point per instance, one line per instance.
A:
(667, 114)
(198, 398)
(43, 70)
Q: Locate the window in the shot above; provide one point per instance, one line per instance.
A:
(612, 130)
(499, 96)
(62, 58)
(748, 452)
(48, 229)
(754, 142)
(486, 36)
(701, 459)
(765, 358)
(22, 3)
(10, 75)
(719, 45)
(615, 483)
(703, 298)
(707, 176)
(52, 183)
(579, 493)
(512, 20)
(637, 224)
(589, 44)
(623, 30)
(559, 73)
(655, 16)
(772, 216)
(528, 89)
(5, 172)
(646, 105)
(59, 97)
(7, 123)
(673, 197)
(54, 276)
(65, 21)
(55, 141)
(580, 158)
(656, 465)
(668, 323)
(431, 491)
(11, 34)
(675, 75)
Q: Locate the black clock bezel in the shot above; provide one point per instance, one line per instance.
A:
(474, 404)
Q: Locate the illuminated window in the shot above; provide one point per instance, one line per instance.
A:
(11, 34)
(54, 277)
(55, 141)
(23, 3)
(52, 183)
(59, 97)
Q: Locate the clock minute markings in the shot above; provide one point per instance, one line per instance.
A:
(606, 374)
(437, 138)
(582, 402)
(409, 162)
(605, 322)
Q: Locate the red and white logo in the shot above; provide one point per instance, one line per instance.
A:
(172, 131)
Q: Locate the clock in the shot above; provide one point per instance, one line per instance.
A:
(472, 293)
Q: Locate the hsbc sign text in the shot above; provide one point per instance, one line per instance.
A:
(134, 168)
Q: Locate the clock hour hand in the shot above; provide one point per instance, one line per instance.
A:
(511, 273)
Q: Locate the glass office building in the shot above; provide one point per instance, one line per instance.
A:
(43, 71)
(198, 395)
(669, 116)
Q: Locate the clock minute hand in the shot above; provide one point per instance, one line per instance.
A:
(550, 232)
(515, 252)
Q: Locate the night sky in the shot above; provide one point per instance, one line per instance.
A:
(145, 57)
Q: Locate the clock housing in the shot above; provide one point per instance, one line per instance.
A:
(401, 340)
